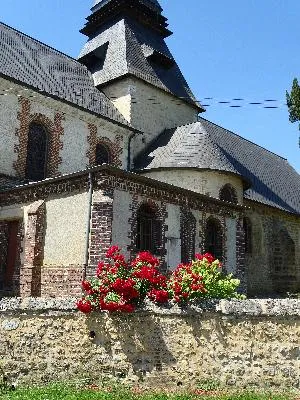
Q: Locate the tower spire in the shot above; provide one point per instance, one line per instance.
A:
(127, 55)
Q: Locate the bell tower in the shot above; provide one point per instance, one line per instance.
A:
(130, 62)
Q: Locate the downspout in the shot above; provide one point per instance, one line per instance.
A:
(88, 227)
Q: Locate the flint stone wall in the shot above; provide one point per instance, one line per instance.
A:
(240, 343)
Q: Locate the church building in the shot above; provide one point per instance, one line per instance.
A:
(113, 148)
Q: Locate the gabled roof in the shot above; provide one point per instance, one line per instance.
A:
(205, 145)
(43, 68)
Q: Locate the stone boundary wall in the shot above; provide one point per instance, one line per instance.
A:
(237, 343)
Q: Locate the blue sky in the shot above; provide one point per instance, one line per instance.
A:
(226, 49)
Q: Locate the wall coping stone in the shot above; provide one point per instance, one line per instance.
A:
(249, 307)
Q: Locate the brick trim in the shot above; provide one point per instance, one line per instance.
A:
(55, 131)
(101, 230)
(30, 273)
(161, 213)
(22, 134)
(61, 281)
(114, 147)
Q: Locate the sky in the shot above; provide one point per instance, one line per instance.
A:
(226, 50)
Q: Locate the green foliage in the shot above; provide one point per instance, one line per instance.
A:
(293, 102)
(217, 284)
(59, 392)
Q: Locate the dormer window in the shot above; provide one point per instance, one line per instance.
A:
(103, 155)
(37, 152)
(228, 193)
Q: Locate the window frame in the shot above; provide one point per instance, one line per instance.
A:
(31, 175)
(148, 230)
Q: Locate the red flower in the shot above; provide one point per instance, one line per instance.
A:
(119, 259)
(87, 287)
(210, 258)
(159, 296)
(84, 306)
(112, 251)
(147, 258)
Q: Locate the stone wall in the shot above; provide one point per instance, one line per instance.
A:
(237, 343)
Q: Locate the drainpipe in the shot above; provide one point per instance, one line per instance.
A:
(88, 227)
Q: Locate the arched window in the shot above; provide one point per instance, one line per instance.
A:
(103, 155)
(149, 230)
(228, 193)
(213, 238)
(284, 262)
(187, 235)
(247, 235)
(37, 149)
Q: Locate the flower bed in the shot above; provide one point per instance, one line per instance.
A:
(122, 285)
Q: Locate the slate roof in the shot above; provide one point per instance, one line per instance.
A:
(9, 182)
(136, 50)
(41, 67)
(205, 145)
(153, 4)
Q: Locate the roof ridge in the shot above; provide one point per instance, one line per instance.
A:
(40, 42)
(247, 140)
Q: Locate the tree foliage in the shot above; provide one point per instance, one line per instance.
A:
(293, 103)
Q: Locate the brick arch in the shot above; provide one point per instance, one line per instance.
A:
(54, 129)
(114, 147)
(160, 215)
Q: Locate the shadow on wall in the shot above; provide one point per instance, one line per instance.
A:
(132, 343)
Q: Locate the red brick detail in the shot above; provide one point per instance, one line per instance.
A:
(30, 274)
(115, 148)
(22, 134)
(101, 232)
(161, 212)
(55, 131)
(61, 281)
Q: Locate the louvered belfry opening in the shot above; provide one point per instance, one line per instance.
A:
(37, 152)
(149, 230)
(214, 238)
(103, 155)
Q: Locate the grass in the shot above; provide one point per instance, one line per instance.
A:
(58, 392)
